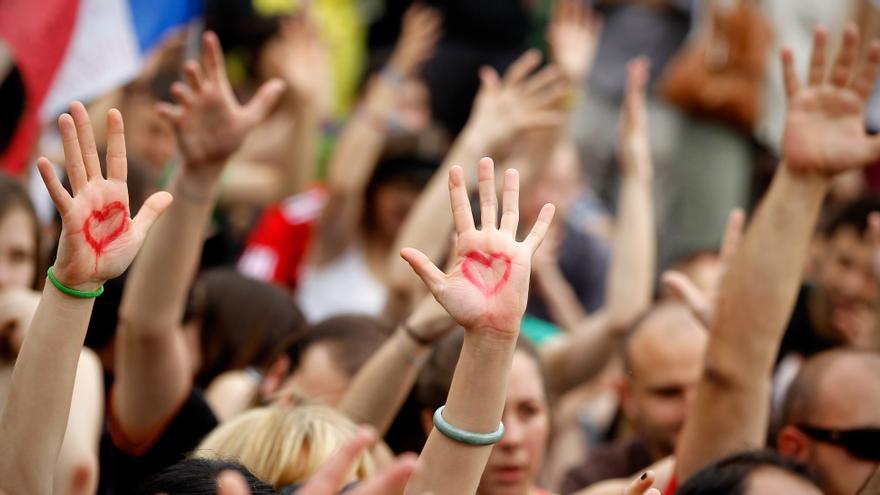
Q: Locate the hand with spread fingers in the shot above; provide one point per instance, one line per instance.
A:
(301, 58)
(420, 31)
(98, 238)
(209, 121)
(573, 36)
(488, 287)
(824, 128)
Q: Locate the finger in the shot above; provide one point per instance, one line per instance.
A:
(489, 79)
(461, 205)
(842, 70)
(488, 195)
(73, 161)
(212, 58)
(548, 77)
(117, 166)
(182, 94)
(169, 112)
(232, 483)
(152, 208)
(86, 137)
(391, 481)
(817, 59)
(684, 291)
(333, 474)
(193, 75)
(636, 80)
(863, 83)
(59, 195)
(424, 268)
(789, 74)
(264, 101)
(539, 230)
(732, 235)
(640, 485)
(510, 202)
(522, 67)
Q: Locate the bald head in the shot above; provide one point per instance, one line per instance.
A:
(668, 332)
(840, 387)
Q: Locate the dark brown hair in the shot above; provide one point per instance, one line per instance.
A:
(13, 196)
(351, 340)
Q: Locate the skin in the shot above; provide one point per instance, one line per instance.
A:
(149, 137)
(773, 481)
(666, 356)
(845, 307)
(392, 203)
(317, 379)
(849, 398)
(18, 254)
(515, 460)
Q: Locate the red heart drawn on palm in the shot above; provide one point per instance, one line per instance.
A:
(104, 226)
(480, 270)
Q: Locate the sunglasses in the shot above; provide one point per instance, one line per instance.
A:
(861, 442)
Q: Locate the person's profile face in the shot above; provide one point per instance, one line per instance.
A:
(18, 250)
(516, 459)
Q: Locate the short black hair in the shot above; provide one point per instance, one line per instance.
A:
(199, 477)
(854, 215)
(730, 475)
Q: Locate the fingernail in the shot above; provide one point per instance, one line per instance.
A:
(644, 475)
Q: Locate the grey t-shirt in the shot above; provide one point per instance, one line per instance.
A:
(630, 30)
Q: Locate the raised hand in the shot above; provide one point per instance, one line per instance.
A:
(420, 30)
(573, 35)
(210, 123)
(824, 127)
(634, 147)
(98, 238)
(303, 61)
(487, 288)
(519, 101)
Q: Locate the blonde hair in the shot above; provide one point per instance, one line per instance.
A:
(282, 445)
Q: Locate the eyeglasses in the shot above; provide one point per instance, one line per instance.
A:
(861, 442)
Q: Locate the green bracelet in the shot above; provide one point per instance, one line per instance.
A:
(464, 436)
(72, 292)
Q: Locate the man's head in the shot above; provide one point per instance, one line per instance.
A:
(846, 278)
(831, 418)
(663, 355)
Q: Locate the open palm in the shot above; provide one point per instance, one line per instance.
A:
(824, 129)
(488, 285)
(98, 238)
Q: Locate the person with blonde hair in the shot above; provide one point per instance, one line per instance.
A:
(284, 446)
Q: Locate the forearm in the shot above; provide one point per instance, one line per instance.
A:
(76, 471)
(631, 274)
(299, 172)
(379, 389)
(37, 408)
(562, 302)
(755, 303)
(580, 355)
(475, 403)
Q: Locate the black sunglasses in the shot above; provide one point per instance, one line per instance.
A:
(861, 442)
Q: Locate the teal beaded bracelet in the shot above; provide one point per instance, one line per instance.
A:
(50, 274)
(464, 436)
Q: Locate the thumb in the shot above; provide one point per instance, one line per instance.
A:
(683, 290)
(424, 268)
(264, 101)
(154, 206)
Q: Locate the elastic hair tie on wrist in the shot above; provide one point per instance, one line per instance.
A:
(463, 436)
(50, 274)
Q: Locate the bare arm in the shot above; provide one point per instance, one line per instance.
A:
(36, 414)
(490, 308)
(153, 372)
(823, 136)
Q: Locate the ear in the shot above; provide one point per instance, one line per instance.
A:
(791, 442)
(427, 420)
(275, 376)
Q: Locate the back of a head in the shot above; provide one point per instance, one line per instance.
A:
(666, 328)
(751, 472)
(283, 445)
(199, 477)
(244, 321)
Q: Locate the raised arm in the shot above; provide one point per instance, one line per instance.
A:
(98, 242)
(824, 135)
(582, 353)
(153, 368)
(502, 108)
(485, 292)
(363, 138)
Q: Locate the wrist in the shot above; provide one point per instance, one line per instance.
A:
(67, 282)
(494, 337)
(197, 186)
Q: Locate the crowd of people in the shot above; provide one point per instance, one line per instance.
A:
(640, 257)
